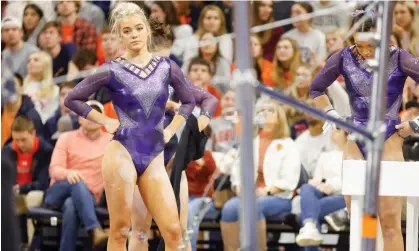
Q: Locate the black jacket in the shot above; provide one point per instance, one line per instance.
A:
(411, 148)
(27, 109)
(40, 165)
(10, 223)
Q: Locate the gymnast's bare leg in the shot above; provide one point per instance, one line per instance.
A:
(390, 208)
(140, 224)
(120, 185)
(120, 178)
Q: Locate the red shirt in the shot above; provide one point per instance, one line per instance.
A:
(200, 176)
(24, 163)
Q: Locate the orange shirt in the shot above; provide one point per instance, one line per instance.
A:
(7, 119)
(109, 110)
(266, 67)
(67, 33)
(214, 91)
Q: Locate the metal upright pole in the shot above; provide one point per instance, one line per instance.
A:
(245, 96)
(376, 124)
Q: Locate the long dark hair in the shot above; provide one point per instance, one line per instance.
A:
(40, 14)
(169, 9)
(216, 56)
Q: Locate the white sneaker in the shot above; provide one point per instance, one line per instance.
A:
(309, 236)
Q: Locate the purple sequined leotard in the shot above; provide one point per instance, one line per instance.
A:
(359, 81)
(139, 96)
(208, 104)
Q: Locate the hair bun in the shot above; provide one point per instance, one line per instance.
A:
(158, 29)
(122, 10)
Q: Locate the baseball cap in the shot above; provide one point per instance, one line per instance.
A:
(10, 22)
(64, 124)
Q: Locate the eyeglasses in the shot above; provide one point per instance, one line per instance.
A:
(266, 111)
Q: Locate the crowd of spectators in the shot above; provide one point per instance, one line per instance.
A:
(56, 156)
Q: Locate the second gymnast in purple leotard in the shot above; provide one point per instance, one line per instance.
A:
(358, 82)
(138, 83)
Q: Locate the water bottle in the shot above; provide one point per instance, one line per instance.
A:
(53, 221)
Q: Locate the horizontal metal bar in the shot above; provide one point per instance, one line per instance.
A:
(288, 100)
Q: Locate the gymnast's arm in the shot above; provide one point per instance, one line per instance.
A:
(323, 80)
(409, 65)
(183, 92)
(76, 99)
(207, 102)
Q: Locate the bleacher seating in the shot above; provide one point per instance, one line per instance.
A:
(48, 225)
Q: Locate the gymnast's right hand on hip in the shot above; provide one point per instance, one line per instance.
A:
(112, 125)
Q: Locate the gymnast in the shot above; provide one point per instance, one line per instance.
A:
(347, 62)
(141, 220)
(138, 83)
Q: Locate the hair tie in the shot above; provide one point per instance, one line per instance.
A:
(356, 13)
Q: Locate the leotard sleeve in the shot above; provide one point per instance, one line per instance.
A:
(326, 76)
(207, 102)
(409, 65)
(76, 99)
(182, 90)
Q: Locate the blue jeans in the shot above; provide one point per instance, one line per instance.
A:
(77, 204)
(194, 207)
(315, 206)
(268, 206)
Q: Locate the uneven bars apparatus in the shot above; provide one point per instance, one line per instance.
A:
(245, 94)
(373, 134)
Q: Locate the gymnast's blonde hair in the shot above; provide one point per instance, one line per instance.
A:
(123, 10)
